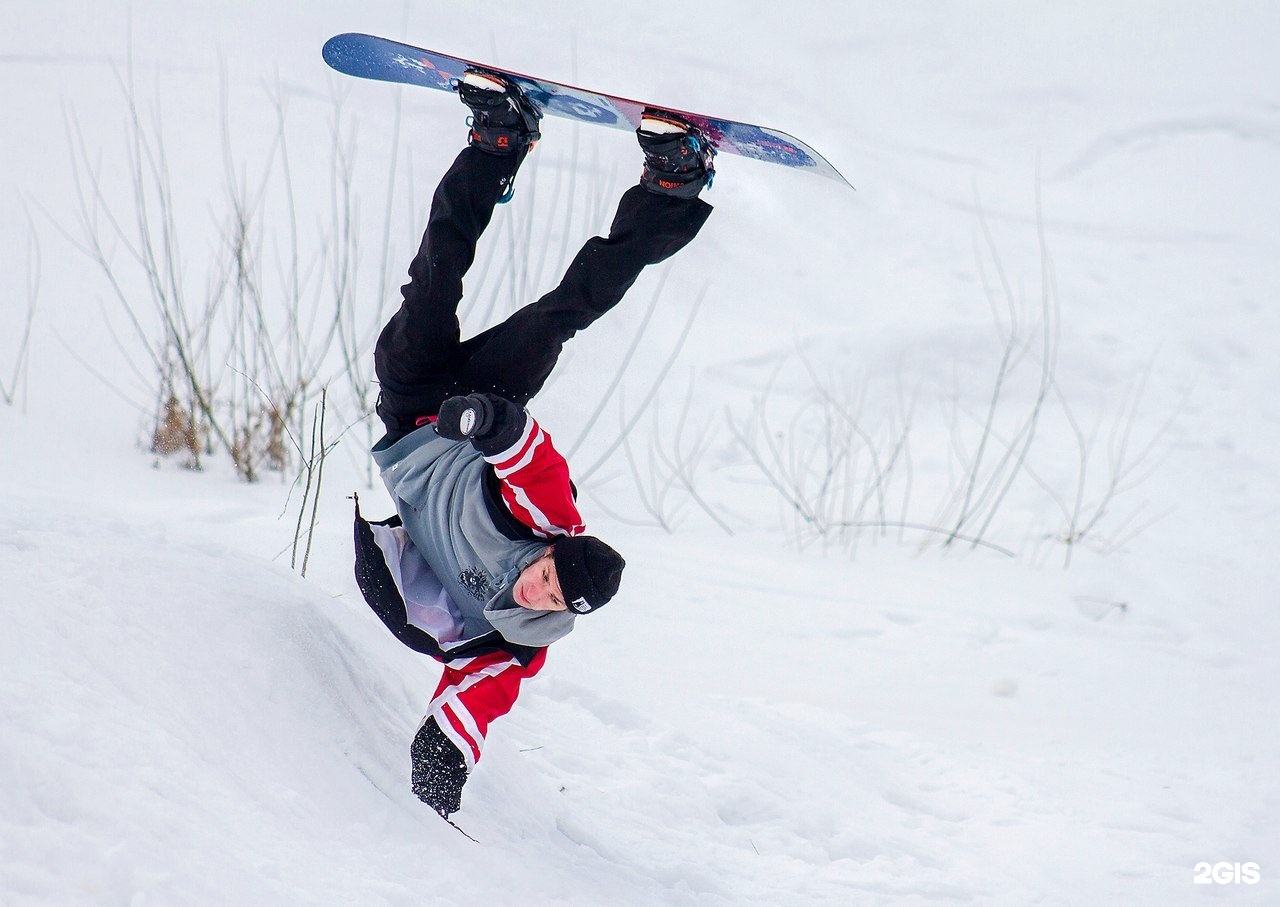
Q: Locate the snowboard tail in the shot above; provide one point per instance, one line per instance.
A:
(370, 57)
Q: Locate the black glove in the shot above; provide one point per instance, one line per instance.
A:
(463, 418)
(439, 771)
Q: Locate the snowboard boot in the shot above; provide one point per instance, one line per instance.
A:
(678, 160)
(503, 121)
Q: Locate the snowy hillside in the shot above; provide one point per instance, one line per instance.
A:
(800, 695)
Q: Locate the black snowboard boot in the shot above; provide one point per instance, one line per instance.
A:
(678, 160)
(503, 120)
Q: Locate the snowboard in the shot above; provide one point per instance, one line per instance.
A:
(369, 57)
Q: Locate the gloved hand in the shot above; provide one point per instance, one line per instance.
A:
(463, 418)
(439, 771)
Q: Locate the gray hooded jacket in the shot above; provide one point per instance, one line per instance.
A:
(462, 541)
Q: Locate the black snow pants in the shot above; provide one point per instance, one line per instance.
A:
(420, 358)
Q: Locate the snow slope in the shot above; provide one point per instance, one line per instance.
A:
(183, 720)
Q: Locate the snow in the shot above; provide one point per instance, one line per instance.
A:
(185, 720)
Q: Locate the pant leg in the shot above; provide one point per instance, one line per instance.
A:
(417, 352)
(515, 358)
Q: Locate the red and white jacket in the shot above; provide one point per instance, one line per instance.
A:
(535, 489)
(525, 497)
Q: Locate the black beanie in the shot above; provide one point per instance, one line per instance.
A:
(588, 570)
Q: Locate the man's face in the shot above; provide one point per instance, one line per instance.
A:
(537, 587)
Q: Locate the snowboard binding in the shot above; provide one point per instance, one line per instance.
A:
(678, 159)
(503, 120)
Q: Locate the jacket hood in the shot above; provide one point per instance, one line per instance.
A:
(520, 625)
(524, 627)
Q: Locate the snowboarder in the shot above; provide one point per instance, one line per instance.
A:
(485, 563)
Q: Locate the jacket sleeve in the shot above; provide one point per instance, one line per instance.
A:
(533, 474)
(475, 692)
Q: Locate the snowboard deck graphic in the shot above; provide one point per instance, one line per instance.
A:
(369, 57)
